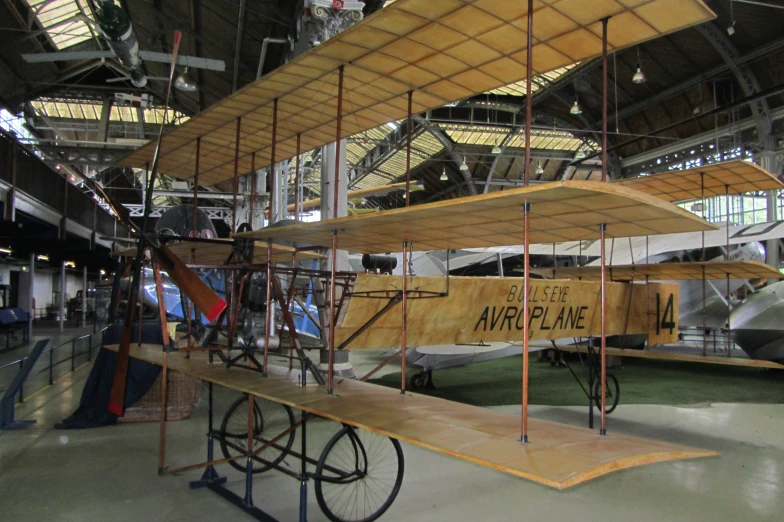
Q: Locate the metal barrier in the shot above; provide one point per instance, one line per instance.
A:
(71, 358)
(717, 339)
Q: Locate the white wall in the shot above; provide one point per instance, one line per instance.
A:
(42, 291)
(73, 283)
(46, 281)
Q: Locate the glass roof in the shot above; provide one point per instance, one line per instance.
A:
(91, 110)
(64, 20)
(518, 89)
(494, 135)
(423, 147)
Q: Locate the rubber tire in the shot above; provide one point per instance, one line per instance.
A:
(320, 466)
(613, 393)
(417, 381)
(243, 402)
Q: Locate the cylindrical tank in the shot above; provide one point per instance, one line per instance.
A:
(381, 263)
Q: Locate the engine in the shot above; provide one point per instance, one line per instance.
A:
(252, 317)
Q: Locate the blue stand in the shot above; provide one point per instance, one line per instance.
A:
(7, 421)
(210, 475)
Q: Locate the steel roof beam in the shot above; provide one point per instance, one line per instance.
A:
(450, 148)
(238, 48)
(745, 77)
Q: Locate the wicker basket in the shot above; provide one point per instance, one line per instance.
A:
(183, 395)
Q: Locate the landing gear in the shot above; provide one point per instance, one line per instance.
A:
(358, 475)
(422, 379)
(270, 419)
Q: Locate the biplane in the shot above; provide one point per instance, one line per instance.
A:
(701, 306)
(412, 56)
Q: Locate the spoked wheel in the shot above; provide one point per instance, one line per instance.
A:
(613, 393)
(358, 475)
(270, 419)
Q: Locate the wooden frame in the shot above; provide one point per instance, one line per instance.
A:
(441, 51)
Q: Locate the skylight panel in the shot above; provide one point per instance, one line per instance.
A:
(63, 20)
(518, 88)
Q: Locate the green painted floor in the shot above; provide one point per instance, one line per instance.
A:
(496, 383)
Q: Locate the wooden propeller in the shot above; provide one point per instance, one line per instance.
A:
(191, 285)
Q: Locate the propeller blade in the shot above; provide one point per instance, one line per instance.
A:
(191, 285)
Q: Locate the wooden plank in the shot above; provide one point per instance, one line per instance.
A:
(680, 357)
(733, 177)
(489, 309)
(559, 455)
(560, 211)
(444, 51)
(215, 253)
(665, 271)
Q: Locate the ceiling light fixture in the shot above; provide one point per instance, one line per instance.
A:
(5, 250)
(444, 177)
(43, 257)
(576, 108)
(539, 169)
(464, 166)
(185, 83)
(496, 149)
(639, 76)
(731, 28)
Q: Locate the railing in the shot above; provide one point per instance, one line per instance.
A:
(717, 339)
(47, 360)
(45, 184)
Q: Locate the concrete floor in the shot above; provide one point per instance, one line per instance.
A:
(110, 473)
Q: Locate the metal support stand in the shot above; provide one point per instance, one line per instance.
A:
(213, 482)
(7, 421)
(210, 475)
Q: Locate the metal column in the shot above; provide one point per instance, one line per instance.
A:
(274, 200)
(84, 295)
(62, 295)
(196, 188)
(31, 298)
(336, 196)
(252, 180)
(236, 175)
(409, 130)
(10, 201)
(297, 181)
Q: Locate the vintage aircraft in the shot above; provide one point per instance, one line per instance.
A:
(371, 310)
